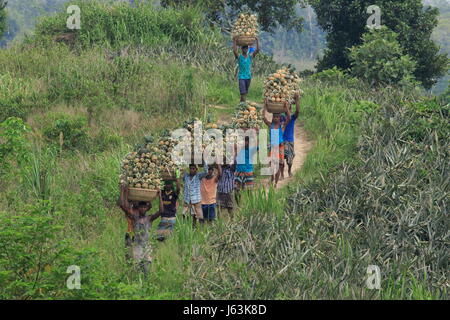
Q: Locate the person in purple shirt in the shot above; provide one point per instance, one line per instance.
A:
(289, 136)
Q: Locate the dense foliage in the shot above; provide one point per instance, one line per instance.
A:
(2, 17)
(270, 12)
(379, 60)
(345, 23)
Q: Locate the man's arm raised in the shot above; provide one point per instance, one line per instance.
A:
(235, 50)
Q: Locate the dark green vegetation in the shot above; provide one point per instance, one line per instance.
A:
(271, 13)
(374, 190)
(2, 17)
(379, 60)
(345, 23)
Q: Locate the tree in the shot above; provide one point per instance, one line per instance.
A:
(345, 22)
(2, 17)
(380, 60)
(271, 13)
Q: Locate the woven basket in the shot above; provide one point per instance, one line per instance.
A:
(146, 195)
(245, 40)
(168, 175)
(275, 107)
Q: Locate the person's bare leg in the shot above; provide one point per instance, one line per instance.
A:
(290, 170)
(277, 176)
(230, 213)
(128, 244)
(243, 97)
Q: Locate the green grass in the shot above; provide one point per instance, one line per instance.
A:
(284, 244)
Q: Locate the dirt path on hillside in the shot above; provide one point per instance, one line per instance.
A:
(303, 144)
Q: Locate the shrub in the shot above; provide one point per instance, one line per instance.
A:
(34, 259)
(120, 24)
(379, 60)
(13, 143)
(68, 132)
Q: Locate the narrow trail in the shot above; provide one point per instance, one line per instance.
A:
(302, 145)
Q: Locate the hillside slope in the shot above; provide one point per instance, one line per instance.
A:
(373, 190)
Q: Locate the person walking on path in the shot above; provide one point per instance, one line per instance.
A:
(289, 136)
(245, 170)
(208, 188)
(192, 194)
(276, 129)
(245, 61)
(225, 189)
(168, 217)
(139, 240)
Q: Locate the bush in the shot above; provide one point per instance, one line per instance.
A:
(13, 143)
(119, 24)
(335, 76)
(34, 259)
(379, 60)
(70, 133)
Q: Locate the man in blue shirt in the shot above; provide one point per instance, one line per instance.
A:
(245, 67)
(245, 171)
(289, 136)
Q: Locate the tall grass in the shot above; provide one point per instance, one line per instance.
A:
(120, 24)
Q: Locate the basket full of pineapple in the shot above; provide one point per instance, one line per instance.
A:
(246, 29)
(248, 116)
(280, 88)
(140, 172)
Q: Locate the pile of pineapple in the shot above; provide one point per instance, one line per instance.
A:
(282, 85)
(247, 116)
(164, 149)
(140, 170)
(143, 167)
(197, 140)
(246, 25)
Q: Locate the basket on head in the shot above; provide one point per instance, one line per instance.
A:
(136, 194)
(245, 40)
(168, 176)
(275, 107)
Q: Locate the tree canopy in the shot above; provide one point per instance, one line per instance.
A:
(271, 13)
(345, 23)
(379, 60)
(2, 17)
